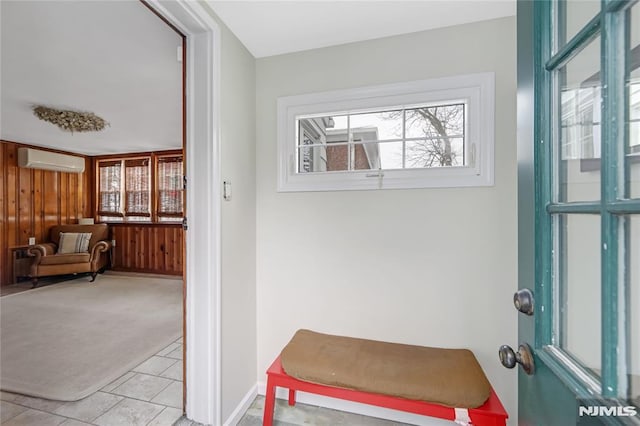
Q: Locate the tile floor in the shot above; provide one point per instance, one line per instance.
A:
(305, 415)
(148, 395)
(151, 395)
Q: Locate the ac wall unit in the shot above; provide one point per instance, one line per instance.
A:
(47, 160)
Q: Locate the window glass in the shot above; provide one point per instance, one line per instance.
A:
(390, 155)
(633, 92)
(578, 168)
(579, 275)
(572, 15)
(440, 130)
(137, 187)
(634, 309)
(170, 186)
(376, 126)
(632, 160)
(312, 146)
(109, 174)
(417, 137)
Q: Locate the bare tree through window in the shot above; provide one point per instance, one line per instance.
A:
(434, 134)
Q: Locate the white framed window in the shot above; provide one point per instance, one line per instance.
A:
(420, 134)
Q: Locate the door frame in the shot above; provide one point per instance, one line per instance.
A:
(203, 260)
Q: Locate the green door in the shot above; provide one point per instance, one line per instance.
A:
(579, 210)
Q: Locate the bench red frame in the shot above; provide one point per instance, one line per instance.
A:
(492, 413)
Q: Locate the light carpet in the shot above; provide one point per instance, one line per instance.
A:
(66, 341)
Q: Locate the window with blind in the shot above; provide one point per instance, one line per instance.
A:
(140, 188)
(170, 187)
(109, 194)
(137, 190)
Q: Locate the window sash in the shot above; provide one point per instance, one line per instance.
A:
(170, 186)
(137, 187)
(109, 193)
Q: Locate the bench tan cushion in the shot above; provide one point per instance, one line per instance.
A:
(450, 377)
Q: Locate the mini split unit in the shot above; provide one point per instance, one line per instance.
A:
(47, 160)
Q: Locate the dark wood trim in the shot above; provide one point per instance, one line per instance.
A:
(137, 162)
(145, 224)
(106, 163)
(110, 214)
(153, 196)
(163, 19)
(146, 271)
(136, 214)
(184, 213)
(169, 158)
(132, 155)
(44, 148)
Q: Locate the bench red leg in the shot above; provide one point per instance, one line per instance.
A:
(492, 413)
(269, 403)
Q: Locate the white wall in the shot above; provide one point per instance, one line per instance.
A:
(433, 267)
(238, 222)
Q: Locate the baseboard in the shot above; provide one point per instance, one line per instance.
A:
(244, 405)
(357, 408)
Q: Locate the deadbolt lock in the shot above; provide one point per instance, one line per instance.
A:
(524, 357)
(523, 301)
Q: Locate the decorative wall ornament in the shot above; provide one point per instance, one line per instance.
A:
(70, 121)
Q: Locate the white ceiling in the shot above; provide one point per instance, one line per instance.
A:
(269, 28)
(113, 58)
(118, 60)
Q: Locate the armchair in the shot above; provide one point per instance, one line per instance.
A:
(47, 261)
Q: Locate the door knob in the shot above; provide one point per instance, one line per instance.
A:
(523, 301)
(524, 357)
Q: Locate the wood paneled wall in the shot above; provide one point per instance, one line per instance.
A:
(154, 248)
(32, 201)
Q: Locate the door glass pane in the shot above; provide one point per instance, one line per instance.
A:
(578, 104)
(633, 90)
(579, 275)
(634, 175)
(634, 309)
(572, 15)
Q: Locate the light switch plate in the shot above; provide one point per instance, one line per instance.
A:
(227, 191)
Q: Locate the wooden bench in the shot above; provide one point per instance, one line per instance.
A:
(492, 413)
